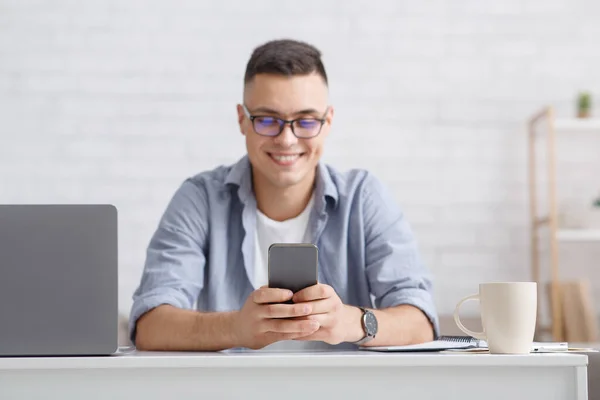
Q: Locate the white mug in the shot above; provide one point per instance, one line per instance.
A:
(508, 316)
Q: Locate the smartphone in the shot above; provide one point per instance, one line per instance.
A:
(293, 266)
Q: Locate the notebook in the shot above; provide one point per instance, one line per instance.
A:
(462, 343)
(442, 343)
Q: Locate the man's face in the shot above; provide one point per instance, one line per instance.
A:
(285, 160)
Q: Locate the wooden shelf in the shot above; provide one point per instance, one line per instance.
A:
(578, 235)
(561, 308)
(577, 124)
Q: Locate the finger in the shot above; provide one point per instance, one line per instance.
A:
(275, 337)
(321, 335)
(266, 295)
(285, 310)
(324, 320)
(315, 292)
(323, 306)
(291, 326)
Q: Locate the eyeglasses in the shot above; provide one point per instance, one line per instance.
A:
(302, 128)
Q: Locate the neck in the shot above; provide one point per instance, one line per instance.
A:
(280, 204)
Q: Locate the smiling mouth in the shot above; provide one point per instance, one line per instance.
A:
(285, 159)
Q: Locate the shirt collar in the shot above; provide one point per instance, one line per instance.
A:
(325, 187)
(241, 175)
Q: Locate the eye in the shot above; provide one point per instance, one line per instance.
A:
(267, 121)
(308, 123)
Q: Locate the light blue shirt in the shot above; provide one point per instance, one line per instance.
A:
(202, 253)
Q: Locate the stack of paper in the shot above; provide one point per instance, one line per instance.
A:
(464, 343)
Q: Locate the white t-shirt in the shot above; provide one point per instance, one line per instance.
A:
(268, 231)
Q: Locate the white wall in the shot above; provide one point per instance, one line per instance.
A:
(119, 101)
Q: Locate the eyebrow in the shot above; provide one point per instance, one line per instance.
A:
(272, 111)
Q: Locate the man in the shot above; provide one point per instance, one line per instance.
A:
(204, 285)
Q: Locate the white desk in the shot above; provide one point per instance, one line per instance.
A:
(306, 376)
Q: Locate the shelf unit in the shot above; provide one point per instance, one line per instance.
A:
(550, 221)
(578, 235)
(577, 124)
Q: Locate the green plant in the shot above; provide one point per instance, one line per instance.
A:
(596, 202)
(584, 102)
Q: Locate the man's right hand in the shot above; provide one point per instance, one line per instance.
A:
(264, 320)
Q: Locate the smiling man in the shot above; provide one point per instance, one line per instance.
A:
(204, 285)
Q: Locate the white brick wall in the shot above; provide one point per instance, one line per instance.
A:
(119, 101)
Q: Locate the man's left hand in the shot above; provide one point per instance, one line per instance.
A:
(338, 322)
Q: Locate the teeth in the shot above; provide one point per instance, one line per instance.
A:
(285, 158)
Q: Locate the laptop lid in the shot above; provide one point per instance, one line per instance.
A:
(58, 280)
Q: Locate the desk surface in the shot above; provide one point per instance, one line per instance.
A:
(254, 359)
(269, 375)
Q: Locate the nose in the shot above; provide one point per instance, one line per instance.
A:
(286, 138)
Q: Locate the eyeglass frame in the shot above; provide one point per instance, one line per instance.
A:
(286, 122)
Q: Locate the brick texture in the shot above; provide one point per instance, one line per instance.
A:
(119, 101)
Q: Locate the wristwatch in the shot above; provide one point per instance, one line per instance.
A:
(369, 324)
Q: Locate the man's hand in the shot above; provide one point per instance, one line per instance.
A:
(263, 320)
(338, 322)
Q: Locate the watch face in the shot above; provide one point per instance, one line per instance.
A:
(370, 323)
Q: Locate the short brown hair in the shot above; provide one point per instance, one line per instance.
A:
(285, 57)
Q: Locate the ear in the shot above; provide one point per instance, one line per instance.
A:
(329, 116)
(241, 117)
(328, 120)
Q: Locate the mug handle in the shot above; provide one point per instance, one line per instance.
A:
(477, 335)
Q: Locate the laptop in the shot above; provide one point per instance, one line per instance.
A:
(58, 280)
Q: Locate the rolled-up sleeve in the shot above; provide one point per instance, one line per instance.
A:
(175, 260)
(394, 268)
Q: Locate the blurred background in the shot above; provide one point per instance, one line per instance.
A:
(120, 101)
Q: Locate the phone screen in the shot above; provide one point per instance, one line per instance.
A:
(293, 266)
